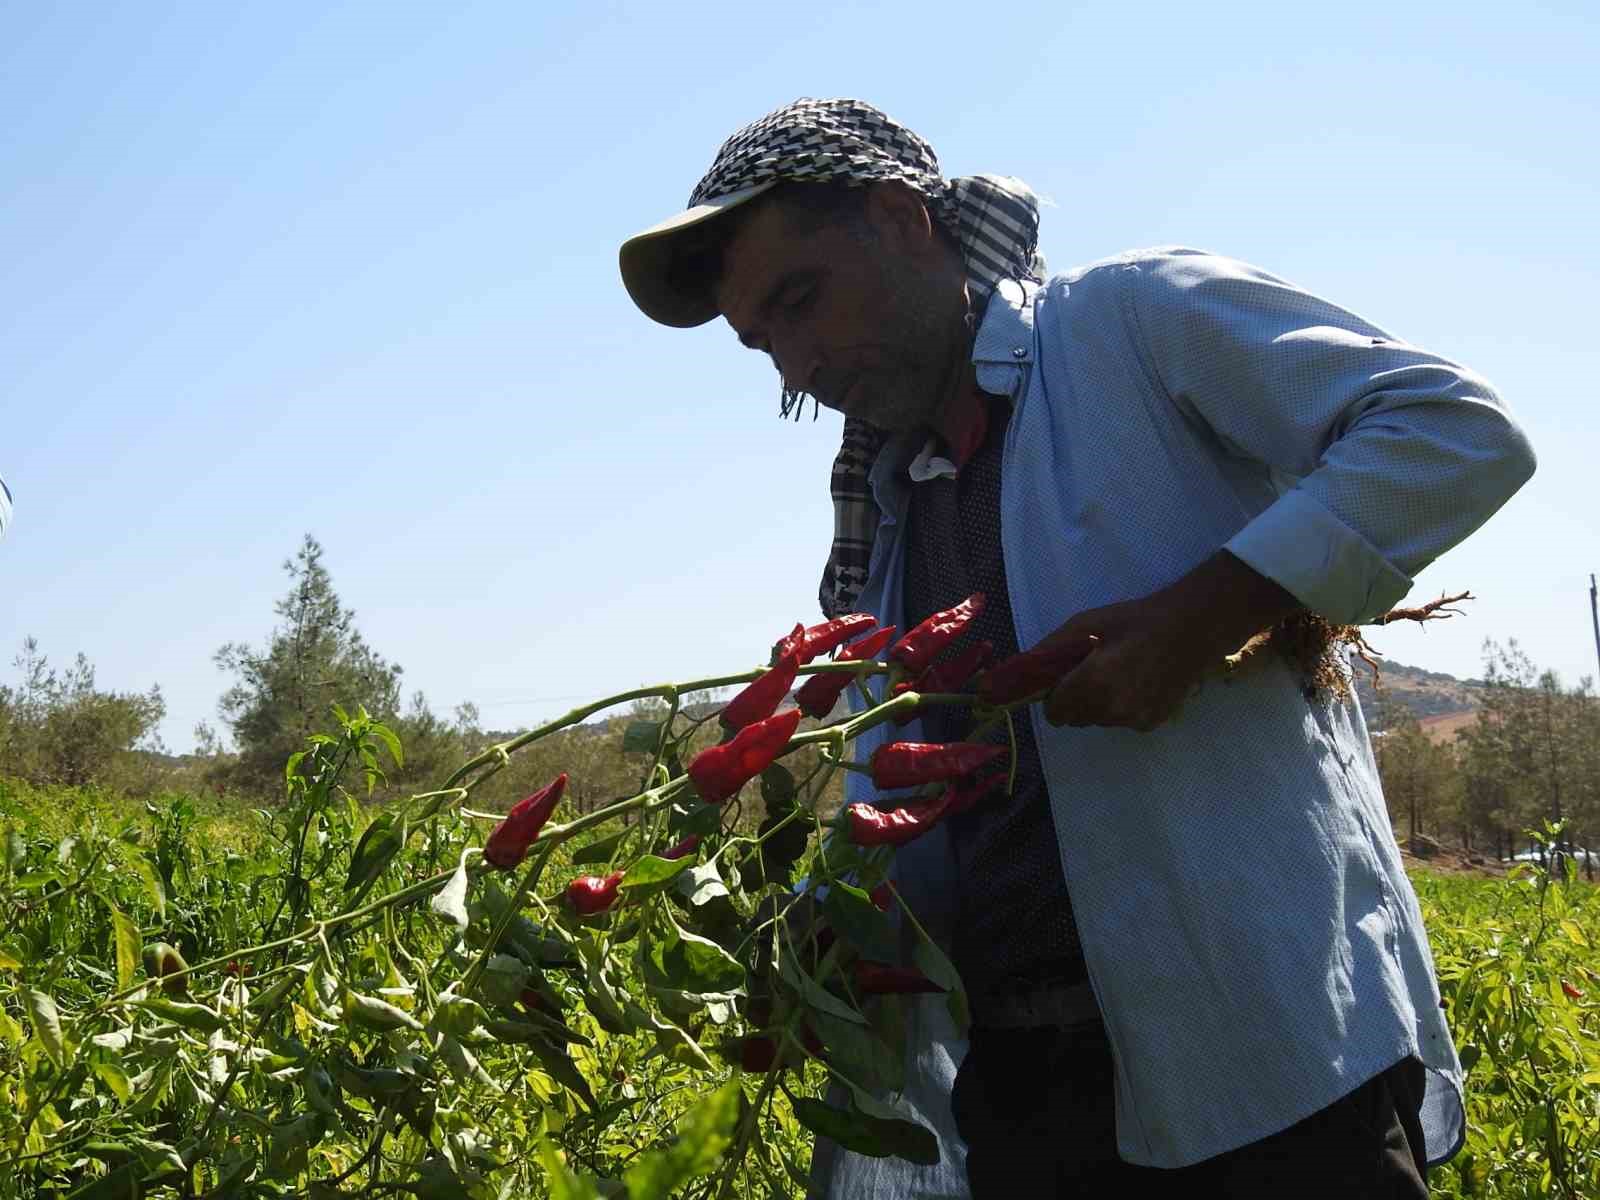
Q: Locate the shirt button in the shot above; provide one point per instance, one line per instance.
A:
(1019, 352)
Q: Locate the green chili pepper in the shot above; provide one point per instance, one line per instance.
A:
(377, 1014)
(190, 1016)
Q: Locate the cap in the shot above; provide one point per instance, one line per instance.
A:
(808, 141)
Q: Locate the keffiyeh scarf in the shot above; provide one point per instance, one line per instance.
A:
(994, 218)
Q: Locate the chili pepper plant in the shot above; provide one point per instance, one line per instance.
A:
(432, 999)
(442, 1001)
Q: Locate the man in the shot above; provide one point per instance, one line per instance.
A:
(1195, 962)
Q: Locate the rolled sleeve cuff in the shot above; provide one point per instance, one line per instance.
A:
(1321, 561)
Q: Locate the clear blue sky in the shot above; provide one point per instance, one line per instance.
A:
(351, 269)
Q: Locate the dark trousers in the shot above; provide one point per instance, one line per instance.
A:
(1035, 1107)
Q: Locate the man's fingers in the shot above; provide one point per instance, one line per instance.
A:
(1100, 693)
(1078, 699)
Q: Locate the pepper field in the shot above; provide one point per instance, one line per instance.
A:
(376, 1047)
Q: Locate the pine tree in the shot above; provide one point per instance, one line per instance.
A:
(316, 658)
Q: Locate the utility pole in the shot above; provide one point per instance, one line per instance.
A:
(1594, 612)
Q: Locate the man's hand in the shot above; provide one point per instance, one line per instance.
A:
(1152, 652)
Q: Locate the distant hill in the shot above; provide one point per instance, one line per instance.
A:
(1441, 702)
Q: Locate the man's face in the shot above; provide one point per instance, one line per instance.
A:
(862, 315)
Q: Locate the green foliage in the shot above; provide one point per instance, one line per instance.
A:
(1531, 754)
(337, 996)
(59, 728)
(357, 1052)
(1516, 969)
(340, 998)
(315, 659)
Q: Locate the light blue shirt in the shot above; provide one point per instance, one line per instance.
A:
(1252, 938)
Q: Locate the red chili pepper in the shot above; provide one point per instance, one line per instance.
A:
(720, 771)
(906, 764)
(927, 641)
(819, 639)
(509, 841)
(758, 1054)
(792, 642)
(760, 699)
(590, 894)
(812, 1043)
(872, 826)
(825, 940)
(1032, 671)
(954, 674)
(1573, 993)
(535, 1002)
(882, 896)
(950, 676)
(819, 693)
(964, 793)
(881, 979)
(683, 849)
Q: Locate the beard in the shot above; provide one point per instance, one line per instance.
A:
(902, 379)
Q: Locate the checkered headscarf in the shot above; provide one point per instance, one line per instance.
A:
(995, 220)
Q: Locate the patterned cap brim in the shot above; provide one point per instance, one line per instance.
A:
(646, 262)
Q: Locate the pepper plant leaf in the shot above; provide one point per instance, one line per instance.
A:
(599, 850)
(47, 1025)
(651, 873)
(690, 963)
(701, 884)
(451, 900)
(379, 843)
(641, 737)
(855, 918)
(813, 993)
(126, 936)
(703, 1134)
(938, 967)
(860, 1054)
(563, 1183)
(877, 1137)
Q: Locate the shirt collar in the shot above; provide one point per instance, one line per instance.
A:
(1006, 336)
(1003, 347)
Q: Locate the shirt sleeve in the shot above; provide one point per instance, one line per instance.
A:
(1397, 454)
